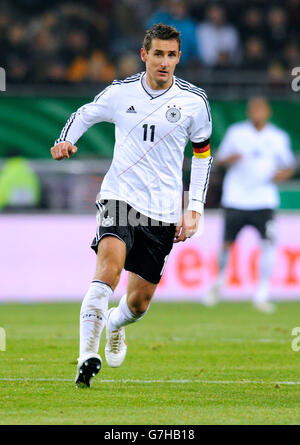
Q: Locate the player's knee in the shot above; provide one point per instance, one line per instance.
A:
(139, 302)
(227, 244)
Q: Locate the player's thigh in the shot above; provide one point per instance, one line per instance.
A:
(263, 221)
(139, 293)
(113, 240)
(111, 250)
(150, 252)
(234, 221)
(110, 260)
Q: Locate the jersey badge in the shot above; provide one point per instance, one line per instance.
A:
(173, 114)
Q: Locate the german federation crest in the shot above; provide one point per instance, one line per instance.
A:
(173, 114)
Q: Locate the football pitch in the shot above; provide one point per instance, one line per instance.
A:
(186, 364)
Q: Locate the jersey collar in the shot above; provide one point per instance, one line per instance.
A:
(252, 126)
(148, 94)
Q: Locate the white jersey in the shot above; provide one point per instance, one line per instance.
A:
(248, 183)
(150, 137)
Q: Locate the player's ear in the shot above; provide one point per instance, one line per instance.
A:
(143, 54)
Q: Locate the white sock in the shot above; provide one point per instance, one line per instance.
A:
(122, 315)
(223, 260)
(265, 269)
(93, 316)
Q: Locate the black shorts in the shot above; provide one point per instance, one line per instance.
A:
(236, 219)
(148, 241)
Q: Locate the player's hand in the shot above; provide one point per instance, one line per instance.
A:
(187, 227)
(230, 160)
(63, 150)
(283, 175)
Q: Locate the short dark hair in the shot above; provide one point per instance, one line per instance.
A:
(163, 32)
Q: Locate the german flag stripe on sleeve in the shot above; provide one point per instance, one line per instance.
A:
(201, 149)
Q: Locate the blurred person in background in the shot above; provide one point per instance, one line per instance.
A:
(15, 53)
(85, 64)
(223, 62)
(252, 24)
(56, 72)
(255, 55)
(128, 26)
(43, 50)
(49, 21)
(5, 20)
(293, 10)
(278, 30)
(175, 13)
(277, 76)
(75, 52)
(99, 68)
(215, 36)
(19, 184)
(257, 155)
(128, 64)
(291, 55)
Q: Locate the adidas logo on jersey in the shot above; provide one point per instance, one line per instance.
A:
(131, 109)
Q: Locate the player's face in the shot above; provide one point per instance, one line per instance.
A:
(161, 61)
(259, 111)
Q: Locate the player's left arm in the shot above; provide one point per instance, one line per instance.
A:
(286, 160)
(201, 164)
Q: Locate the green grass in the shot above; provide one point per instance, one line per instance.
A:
(229, 343)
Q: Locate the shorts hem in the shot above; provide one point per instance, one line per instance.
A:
(143, 278)
(94, 246)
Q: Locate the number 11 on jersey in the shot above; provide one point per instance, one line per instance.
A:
(152, 131)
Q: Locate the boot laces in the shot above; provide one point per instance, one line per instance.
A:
(115, 342)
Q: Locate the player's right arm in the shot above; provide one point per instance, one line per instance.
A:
(228, 153)
(100, 110)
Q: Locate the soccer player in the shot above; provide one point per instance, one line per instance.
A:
(139, 206)
(257, 155)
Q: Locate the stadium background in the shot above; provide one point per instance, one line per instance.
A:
(57, 56)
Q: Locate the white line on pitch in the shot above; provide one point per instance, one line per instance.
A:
(255, 340)
(182, 381)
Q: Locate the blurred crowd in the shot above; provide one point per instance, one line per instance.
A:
(64, 42)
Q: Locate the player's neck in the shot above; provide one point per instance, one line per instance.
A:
(259, 125)
(151, 83)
